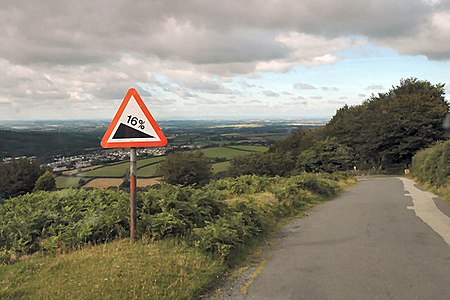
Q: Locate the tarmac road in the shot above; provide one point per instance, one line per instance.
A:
(366, 244)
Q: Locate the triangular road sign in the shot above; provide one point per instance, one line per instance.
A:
(133, 126)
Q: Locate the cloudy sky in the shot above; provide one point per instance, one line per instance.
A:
(214, 59)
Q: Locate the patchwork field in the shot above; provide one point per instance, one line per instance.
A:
(226, 152)
(221, 166)
(118, 170)
(102, 183)
(141, 182)
(67, 181)
(112, 174)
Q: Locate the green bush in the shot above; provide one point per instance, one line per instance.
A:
(243, 185)
(186, 168)
(432, 165)
(217, 218)
(63, 219)
(46, 182)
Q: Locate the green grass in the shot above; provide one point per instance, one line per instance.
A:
(148, 171)
(147, 167)
(152, 160)
(113, 170)
(221, 166)
(63, 182)
(250, 148)
(225, 152)
(147, 270)
(119, 170)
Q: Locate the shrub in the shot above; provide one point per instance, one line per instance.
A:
(46, 182)
(432, 165)
(18, 177)
(186, 168)
(217, 218)
(245, 184)
(62, 219)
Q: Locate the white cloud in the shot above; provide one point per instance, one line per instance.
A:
(375, 87)
(80, 57)
(330, 89)
(269, 93)
(304, 86)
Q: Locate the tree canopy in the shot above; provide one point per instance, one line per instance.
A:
(186, 168)
(389, 128)
(263, 164)
(384, 132)
(326, 156)
(46, 182)
(18, 177)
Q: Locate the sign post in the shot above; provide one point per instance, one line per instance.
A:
(133, 181)
(132, 127)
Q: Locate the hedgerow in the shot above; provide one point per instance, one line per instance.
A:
(216, 218)
(432, 165)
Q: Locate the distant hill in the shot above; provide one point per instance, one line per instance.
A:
(45, 144)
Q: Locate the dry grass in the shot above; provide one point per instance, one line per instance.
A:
(103, 183)
(141, 182)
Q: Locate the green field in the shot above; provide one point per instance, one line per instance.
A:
(221, 166)
(148, 171)
(119, 170)
(147, 167)
(63, 182)
(225, 152)
(250, 148)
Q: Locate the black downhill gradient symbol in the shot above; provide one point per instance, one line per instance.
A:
(127, 132)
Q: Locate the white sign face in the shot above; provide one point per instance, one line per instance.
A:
(133, 126)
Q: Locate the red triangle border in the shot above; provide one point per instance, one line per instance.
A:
(163, 140)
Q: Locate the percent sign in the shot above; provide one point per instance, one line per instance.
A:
(141, 124)
(135, 120)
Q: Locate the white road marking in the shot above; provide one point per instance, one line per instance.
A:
(427, 210)
(408, 195)
(410, 207)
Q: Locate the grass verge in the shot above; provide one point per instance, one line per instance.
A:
(442, 191)
(167, 269)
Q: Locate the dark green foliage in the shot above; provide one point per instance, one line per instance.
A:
(263, 164)
(298, 192)
(244, 220)
(18, 177)
(383, 133)
(432, 165)
(297, 142)
(217, 218)
(186, 168)
(243, 185)
(45, 144)
(62, 219)
(388, 129)
(46, 182)
(326, 156)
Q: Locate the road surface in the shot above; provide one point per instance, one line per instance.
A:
(382, 239)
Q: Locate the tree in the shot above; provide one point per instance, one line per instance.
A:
(46, 182)
(298, 141)
(386, 130)
(186, 168)
(18, 177)
(263, 164)
(326, 156)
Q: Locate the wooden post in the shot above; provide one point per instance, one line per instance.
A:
(133, 218)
